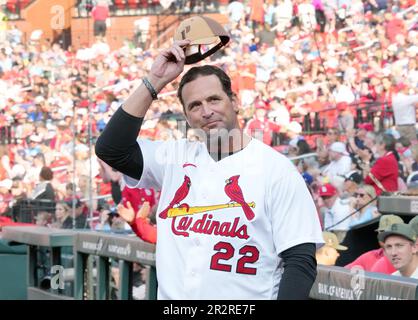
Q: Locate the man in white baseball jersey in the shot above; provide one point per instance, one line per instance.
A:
(235, 219)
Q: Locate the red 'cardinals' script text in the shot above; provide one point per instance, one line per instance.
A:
(182, 226)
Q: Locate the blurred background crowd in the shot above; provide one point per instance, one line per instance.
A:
(331, 84)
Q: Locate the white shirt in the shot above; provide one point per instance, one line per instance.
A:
(339, 211)
(307, 15)
(236, 11)
(338, 168)
(221, 252)
(404, 108)
(344, 94)
(414, 275)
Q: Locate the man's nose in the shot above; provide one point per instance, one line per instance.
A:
(392, 252)
(206, 110)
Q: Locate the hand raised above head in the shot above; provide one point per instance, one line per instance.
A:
(168, 65)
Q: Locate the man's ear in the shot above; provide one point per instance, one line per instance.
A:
(326, 251)
(415, 247)
(235, 103)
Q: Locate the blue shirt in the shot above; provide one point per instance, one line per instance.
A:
(367, 215)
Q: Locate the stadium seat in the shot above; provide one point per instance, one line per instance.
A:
(11, 6)
(120, 4)
(23, 4)
(133, 4)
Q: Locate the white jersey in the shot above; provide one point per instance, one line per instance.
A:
(222, 225)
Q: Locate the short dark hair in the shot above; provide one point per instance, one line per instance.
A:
(46, 174)
(207, 70)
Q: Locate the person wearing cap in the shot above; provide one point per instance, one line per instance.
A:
(261, 127)
(399, 244)
(365, 205)
(414, 224)
(328, 254)
(340, 163)
(335, 210)
(384, 174)
(352, 181)
(226, 166)
(375, 260)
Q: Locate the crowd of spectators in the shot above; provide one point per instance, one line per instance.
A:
(331, 83)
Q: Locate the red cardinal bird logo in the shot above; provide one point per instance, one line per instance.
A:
(234, 192)
(180, 194)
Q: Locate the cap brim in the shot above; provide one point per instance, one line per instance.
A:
(340, 247)
(198, 56)
(382, 236)
(327, 195)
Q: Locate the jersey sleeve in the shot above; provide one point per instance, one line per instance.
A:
(293, 212)
(155, 157)
(144, 230)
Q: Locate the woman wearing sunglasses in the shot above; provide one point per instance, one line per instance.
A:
(364, 200)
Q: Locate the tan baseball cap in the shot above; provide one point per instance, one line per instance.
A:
(387, 220)
(206, 36)
(331, 240)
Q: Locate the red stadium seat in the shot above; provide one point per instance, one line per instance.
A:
(143, 4)
(23, 4)
(120, 4)
(11, 6)
(133, 4)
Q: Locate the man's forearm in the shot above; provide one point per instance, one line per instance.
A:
(299, 272)
(140, 100)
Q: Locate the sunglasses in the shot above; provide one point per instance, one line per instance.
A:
(361, 195)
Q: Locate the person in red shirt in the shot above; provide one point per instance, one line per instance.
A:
(383, 265)
(260, 126)
(256, 12)
(100, 13)
(368, 260)
(394, 26)
(383, 176)
(139, 221)
(138, 196)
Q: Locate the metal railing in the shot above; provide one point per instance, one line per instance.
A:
(108, 248)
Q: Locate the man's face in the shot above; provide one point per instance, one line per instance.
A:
(399, 251)
(350, 186)
(362, 197)
(334, 156)
(207, 106)
(260, 113)
(333, 255)
(329, 201)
